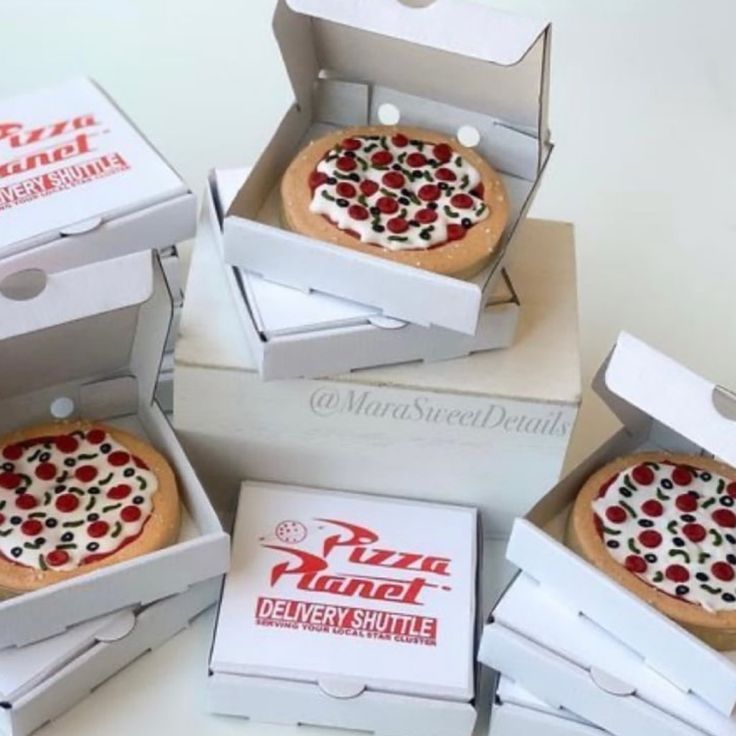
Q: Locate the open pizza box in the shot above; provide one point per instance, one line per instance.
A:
(87, 342)
(294, 334)
(345, 610)
(80, 183)
(661, 405)
(440, 64)
(41, 681)
(574, 666)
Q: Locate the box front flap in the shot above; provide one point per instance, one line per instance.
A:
(460, 52)
(69, 161)
(638, 382)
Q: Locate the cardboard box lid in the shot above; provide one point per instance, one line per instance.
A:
(351, 593)
(616, 686)
(69, 161)
(501, 59)
(103, 320)
(641, 384)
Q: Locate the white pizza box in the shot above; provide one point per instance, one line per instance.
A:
(570, 662)
(165, 385)
(348, 611)
(661, 405)
(516, 712)
(173, 271)
(41, 681)
(90, 344)
(442, 65)
(80, 183)
(295, 334)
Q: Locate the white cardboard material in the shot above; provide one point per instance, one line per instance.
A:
(570, 662)
(345, 596)
(50, 677)
(95, 335)
(640, 384)
(79, 183)
(343, 433)
(293, 334)
(381, 52)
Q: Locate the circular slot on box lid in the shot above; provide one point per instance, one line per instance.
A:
(340, 689)
(417, 3)
(23, 285)
(469, 136)
(386, 323)
(611, 684)
(62, 407)
(80, 228)
(118, 628)
(724, 402)
(389, 114)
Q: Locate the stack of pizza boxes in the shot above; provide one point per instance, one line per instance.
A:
(89, 213)
(362, 403)
(579, 653)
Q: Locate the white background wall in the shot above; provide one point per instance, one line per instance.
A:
(643, 111)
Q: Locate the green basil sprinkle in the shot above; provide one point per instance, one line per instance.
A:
(116, 529)
(629, 509)
(105, 480)
(327, 196)
(680, 553)
(633, 547)
(661, 496)
(42, 563)
(91, 503)
(111, 507)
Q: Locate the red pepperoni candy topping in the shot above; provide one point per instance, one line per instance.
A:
(650, 538)
(67, 503)
(686, 502)
(694, 532)
(118, 458)
(139, 463)
(130, 514)
(455, 232)
(123, 490)
(725, 518)
(351, 144)
(400, 140)
(382, 158)
(461, 201)
(98, 529)
(26, 501)
(317, 179)
(415, 160)
(9, 480)
(85, 473)
(429, 192)
(2, 519)
(31, 527)
(46, 471)
(346, 189)
(358, 212)
(57, 558)
(442, 152)
(397, 225)
(444, 174)
(96, 436)
(652, 508)
(616, 514)
(677, 574)
(682, 476)
(66, 443)
(480, 190)
(606, 486)
(346, 163)
(426, 216)
(731, 489)
(387, 205)
(12, 452)
(643, 475)
(722, 571)
(634, 563)
(393, 180)
(368, 187)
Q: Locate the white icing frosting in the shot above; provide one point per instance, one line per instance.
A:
(61, 503)
(460, 179)
(697, 532)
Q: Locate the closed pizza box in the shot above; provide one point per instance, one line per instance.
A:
(442, 65)
(490, 430)
(87, 342)
(348, 611)
(661, 405)
(80, 183)
(41, 681)
(569, 662)
(516, 712)
(297, 334)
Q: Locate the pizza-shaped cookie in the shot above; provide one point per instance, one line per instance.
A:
(664, 526)
(76, 497)
(405, 194)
